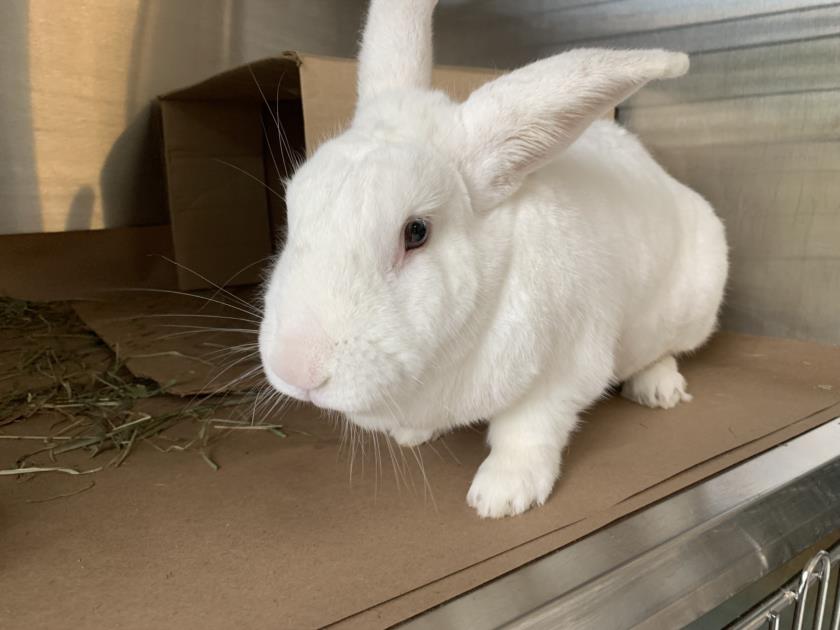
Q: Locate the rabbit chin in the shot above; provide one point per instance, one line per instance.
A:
(329, 398)
(365, 414)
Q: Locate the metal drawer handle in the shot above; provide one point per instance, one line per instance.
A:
(818, 568)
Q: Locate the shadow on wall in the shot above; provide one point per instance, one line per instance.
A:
(81, 208)
(132, 178)
(175, 44)
(19, 190)
(162, 58)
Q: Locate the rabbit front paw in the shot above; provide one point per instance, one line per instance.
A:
(508, 484)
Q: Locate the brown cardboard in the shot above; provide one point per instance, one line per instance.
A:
(219, 216)
(73, 265)
(180, 340)
(282, 536)
(224, 164)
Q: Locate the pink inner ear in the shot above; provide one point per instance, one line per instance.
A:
(299, 358)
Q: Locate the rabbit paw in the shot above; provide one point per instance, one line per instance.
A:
(411, 437)
(509, 484)
(659, 385)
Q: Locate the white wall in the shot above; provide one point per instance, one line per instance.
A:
(76, 79)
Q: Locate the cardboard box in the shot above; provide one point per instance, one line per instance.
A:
(224, 160)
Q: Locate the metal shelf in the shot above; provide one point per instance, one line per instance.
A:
(675, 561)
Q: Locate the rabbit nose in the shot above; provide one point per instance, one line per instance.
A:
(299, 360)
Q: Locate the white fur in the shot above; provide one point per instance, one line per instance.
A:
(562, 257)
(396, 47)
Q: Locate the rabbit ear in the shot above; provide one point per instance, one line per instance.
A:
(396, 47)
(522, 120)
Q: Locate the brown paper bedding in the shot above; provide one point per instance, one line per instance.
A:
(281, 536)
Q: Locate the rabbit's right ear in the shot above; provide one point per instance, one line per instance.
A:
(520, 121)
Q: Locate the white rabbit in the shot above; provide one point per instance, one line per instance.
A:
(506, 259)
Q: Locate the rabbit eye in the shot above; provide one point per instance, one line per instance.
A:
(415, 233)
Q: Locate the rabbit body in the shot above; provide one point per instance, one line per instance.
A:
(555, 258)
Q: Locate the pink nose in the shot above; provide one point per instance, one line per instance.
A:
(300, 360)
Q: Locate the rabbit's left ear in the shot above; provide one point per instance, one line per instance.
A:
(396, 50)
(520, 121)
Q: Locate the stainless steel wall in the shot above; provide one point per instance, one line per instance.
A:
(77, 148)
(755, 127)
